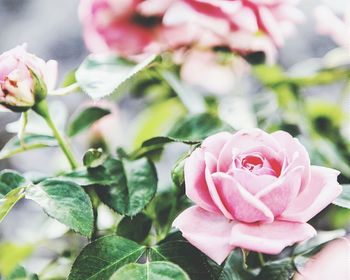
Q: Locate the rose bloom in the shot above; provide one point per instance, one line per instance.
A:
(252, 190)
(17, 81)
(133, 26)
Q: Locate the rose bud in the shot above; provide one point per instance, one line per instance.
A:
(24, 79)
(253, 190)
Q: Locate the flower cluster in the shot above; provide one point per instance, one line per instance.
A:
(134, 26)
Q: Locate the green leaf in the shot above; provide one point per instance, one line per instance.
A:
(11, 255)
(30, 142)
(278, 270)
(343, 200)
(102, 74)
(135, 228)
(19, 273)
(315, 243)
(177, 173)
(11, 190)
(94, 158)
(101, 258)
(132, 187)
(198, 127)
(158, 120)
(66, 202)
(151, 271)
(196, 264)
(9, 180)
(233, 268)
(85, 119)
(9, 200)
(69, 79)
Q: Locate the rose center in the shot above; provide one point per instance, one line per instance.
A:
(252, 162)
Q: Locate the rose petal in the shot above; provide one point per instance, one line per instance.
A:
(278, 195)
(242, 205)
(196, 186)
(207, 231)
(214, 144)
(292, 146)
(321, 191)
(210, 163)
(251, 182)
(270, 238)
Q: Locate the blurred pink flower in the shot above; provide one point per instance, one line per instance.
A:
(252, 190)
(333, 262)
(135, 26)
(331, 25)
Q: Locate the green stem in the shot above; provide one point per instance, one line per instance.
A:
(261, 259)
(42, 109)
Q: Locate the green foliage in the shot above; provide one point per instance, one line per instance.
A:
(11, 255)
(102, 74)
(150, 271)
(343, 199)
(12, 186)
(66, 202)
(134, 186)
(85, 119)
(101, 258)
(278, 270)
(135, 228)
(29, 142)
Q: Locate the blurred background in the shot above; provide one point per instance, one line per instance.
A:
(52, 31)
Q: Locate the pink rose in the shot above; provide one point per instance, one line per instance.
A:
(252, 190)
(17, 81)
(114, 25)
(134, 27)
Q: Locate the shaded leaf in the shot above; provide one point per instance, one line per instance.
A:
(85, 119)
(151, 271)
(66, 202)
(101, 258)
(343, 200)
(102, 74)
(94, 158)
(135, 228)
(278, 270)
(30, 141)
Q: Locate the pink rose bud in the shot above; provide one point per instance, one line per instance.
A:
(253, 190)
(24, 79)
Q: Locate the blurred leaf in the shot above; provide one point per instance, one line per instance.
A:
(30, 141)
(19, 273)
(191, 99)
(150, 271)
(131, 188)
(66, 202)
(9, 200)
(94, 158)
(277, 270)
(157, 120)
(343, 200)
(69, 79)
(11, 255)
(85, 119)
(102, 74)
(12, 186)
(9, 180)
(321, 238)
(135, 228)
(101, 258)
(198, 127)
(233, 268)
